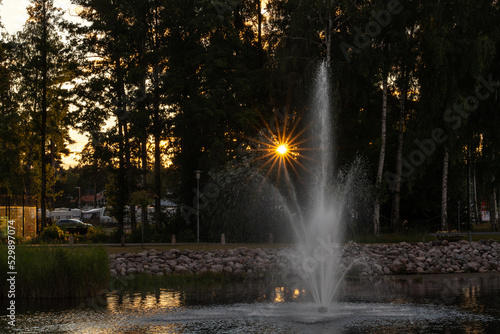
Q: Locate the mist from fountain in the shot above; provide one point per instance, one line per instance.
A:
(319, 226)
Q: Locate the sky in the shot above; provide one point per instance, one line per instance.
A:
(13, 12)
(13, 15)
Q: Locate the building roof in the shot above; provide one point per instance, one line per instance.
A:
(88, 198)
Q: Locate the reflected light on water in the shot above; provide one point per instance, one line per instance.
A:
(284, 294)
(279, 294)
(297, 293)
(471, 294)
(470, 330)
(160, 300)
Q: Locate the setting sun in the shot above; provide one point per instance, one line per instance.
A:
(282, 149)
(280, 143)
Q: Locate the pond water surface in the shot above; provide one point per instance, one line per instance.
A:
(429, 304)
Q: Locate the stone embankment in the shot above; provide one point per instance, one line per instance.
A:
(430, 258)
(237, 261)
(363, 260)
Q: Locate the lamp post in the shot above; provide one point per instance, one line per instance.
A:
(79, 198)
(198, 174)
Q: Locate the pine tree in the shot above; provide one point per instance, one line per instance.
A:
(210, 83)
(10, 127)
(106, 42)
(42, 66)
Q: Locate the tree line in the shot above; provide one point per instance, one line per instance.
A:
(163, 88)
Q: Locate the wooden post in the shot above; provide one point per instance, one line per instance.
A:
(123, 240)
(222, 239)
(173, 239)
(271, 239)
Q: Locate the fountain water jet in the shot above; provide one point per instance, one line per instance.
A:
(318, 229)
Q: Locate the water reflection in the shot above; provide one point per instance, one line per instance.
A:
(283, 294)
(146, 300)
(427, 304)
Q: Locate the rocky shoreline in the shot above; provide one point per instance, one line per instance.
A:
(437, 257)
(236, 261)
(359, 260)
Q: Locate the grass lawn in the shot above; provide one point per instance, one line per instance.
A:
(392, 238)
(484, 227)
(362, 239)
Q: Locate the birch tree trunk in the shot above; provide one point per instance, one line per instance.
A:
(122, 124)
(474, 200)
(157, 154)
(130, 176)
(444, 192)
(495, 228)
(469, 188)
(259, 33)
(396, 199)
(144, 167)
(157, 122)
(43, 45)
(381, 159)
(494, 209)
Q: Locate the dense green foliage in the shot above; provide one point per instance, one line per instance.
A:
(97, 234)
(58, 272)
(195, 85)
(52, 233)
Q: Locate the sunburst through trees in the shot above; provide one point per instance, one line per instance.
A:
(280, 146)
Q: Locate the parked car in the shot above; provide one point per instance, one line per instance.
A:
(73, 226)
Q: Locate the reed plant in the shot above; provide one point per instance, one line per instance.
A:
(57, 271)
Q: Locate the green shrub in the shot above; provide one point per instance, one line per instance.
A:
(136, 236)
(115, 236)
(186, 235)
(97, 234)
(52, 233)
(150, 235)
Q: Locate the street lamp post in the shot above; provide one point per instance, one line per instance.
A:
(198, 174)
(79, 198)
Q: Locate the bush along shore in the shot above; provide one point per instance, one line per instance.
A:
(57, 272)
(358, 260)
